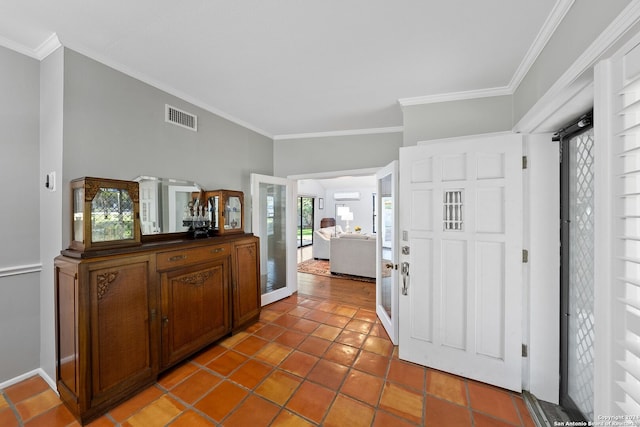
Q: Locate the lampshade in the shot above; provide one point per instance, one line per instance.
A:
(347, 216)
(342, 210)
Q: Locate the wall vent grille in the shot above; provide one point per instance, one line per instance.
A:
(180, 118)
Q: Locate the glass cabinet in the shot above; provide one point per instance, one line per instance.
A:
(226, 210)
(105, 213)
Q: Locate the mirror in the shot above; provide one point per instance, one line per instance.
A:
(167, 204)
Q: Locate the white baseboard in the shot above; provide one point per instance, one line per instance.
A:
(30, 374)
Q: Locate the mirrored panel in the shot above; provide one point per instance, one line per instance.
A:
(168, 205)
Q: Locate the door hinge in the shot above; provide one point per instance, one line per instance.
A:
(525, 350)
(524, 162)
(525, 256)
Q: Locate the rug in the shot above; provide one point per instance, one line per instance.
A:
(320, 267)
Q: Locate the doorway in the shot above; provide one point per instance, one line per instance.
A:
(577, 210)
(306, 214)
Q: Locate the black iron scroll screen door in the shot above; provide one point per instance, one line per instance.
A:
(577, 260)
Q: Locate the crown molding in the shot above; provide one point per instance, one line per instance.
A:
(42, 51)
(554, 19)
(370, 131)
(164, 87)
(602, 45)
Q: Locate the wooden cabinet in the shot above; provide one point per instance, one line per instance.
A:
(227, 211)
(124, 315)
(246, 274)
(106, 334)
(195, 300)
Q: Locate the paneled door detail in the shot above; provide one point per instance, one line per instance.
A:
(460, 303)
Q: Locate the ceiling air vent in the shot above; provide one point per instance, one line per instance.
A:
(180, 118)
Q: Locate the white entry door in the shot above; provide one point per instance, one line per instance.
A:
(460, 290)
(386, 252)
(273, 220)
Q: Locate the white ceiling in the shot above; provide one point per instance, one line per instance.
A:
(288, 67)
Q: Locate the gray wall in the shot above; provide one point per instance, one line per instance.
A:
(114, 128)
(19, 214)
(457, 118)
(335, 153)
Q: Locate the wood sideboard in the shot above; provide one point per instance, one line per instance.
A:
(125, 315)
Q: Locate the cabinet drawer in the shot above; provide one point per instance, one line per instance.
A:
(182, 257)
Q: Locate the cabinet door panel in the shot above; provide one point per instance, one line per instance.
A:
(246, 296)
(121, 334)
(195, 308)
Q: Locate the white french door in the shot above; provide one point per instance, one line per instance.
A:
(460, 298)
(273, 220)
(386, 252)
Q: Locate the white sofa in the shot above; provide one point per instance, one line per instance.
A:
(321, 248)
(354, 254)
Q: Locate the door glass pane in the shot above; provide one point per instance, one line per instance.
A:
(274, 230)
(386, 233)
(581, 283)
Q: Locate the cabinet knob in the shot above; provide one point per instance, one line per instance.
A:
(177, 258)
(165, 320)
(217, 250)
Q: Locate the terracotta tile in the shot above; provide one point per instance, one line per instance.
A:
(309, 302)
(372, 363)
(254, 328)
(407, 374)
(286, 321)
(363, 386)
(38, 404)
(299, 363)
(282, 305)
(327, 306)
(328, 374)
(379, 331)
(327, 332)
(344, 310)
(384, 419)
(196, 386)
(176, 375)
(233, 339)
(527, 421)
(403, 402)
(289, 419)
(254, 412)
(191, 419)
(250, 374)
(341, 353)
(440, 412)
(311, 401)
(269, 315)
(140, 400)
(278, 387)
(446, 386)
(364, 314)
(337, 320)
(299, 311)
(269, 332)
(306, 326)
(158, 413)
(58, 416)
(348, 412)
(273, 353)
(314, 345)
(227, 362)
(317, 315)
(377, 345)
(482, 420)
(250, 346)
(103, 421)
(291, 338)
(361, 326)
(208, 355)
(493, 401)
(221, 400)
(26, 388)
(3, 402)
(8, 418)
(352, 338)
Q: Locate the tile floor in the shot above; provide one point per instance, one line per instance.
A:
(308, 362)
